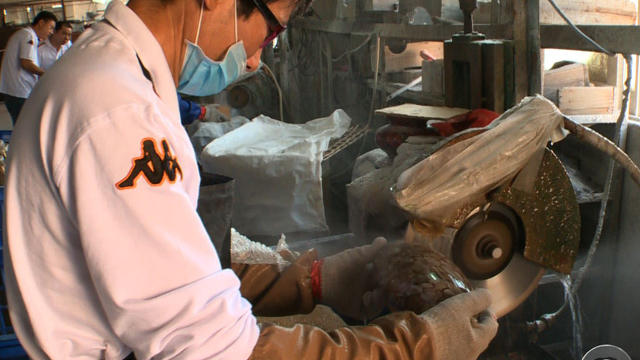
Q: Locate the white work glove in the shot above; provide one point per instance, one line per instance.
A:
(462, 326)
(345, 278)
(215, 113)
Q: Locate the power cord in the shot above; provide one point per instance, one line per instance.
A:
(547, 320)
(355, 49)
(575, 28)
(373, 97)
(275, 81)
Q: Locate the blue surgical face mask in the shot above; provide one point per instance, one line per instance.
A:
(201, 76)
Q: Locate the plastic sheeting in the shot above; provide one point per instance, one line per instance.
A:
(277, 168)
(202, 133)
(435, 187)
(373, 210)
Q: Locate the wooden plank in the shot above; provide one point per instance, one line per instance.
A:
(520, 46)
(534, 62)
(623, 39)
(619, 12)
(422, 111)
(607, 70)
(565, 76)
(586, 100)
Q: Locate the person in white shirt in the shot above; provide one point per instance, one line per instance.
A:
(105, 254)
(20, 64)
(55, 45)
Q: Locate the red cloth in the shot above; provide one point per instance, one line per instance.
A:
(316, 279)
(477, 118)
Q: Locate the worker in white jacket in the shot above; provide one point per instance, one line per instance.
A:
(105, 254)
(54, 46)
(20, 66)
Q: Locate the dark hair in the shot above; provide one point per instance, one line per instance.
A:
(61, 24)
(246, 7)
(45, 16)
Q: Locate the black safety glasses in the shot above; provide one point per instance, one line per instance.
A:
(274, 25)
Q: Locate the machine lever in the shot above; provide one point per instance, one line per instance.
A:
(468, 7)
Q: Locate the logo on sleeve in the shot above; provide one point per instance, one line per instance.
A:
(30, 42)
(154, 166)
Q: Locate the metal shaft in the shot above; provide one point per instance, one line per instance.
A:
(468, 7)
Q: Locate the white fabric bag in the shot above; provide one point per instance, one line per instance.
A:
(277, 168)
(202, 133)
(433, 188)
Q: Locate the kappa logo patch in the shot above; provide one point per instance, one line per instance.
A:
(154, 166)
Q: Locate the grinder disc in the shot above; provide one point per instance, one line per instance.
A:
(488, 249)
(513, 285)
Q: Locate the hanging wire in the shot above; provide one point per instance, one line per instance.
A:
(620, 138)
(373, 96)
(575, 28)
(275, 81)
(355, 132)
(348, 52)
(546, 320)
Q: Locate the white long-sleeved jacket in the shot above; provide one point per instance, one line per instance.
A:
(104, 251)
